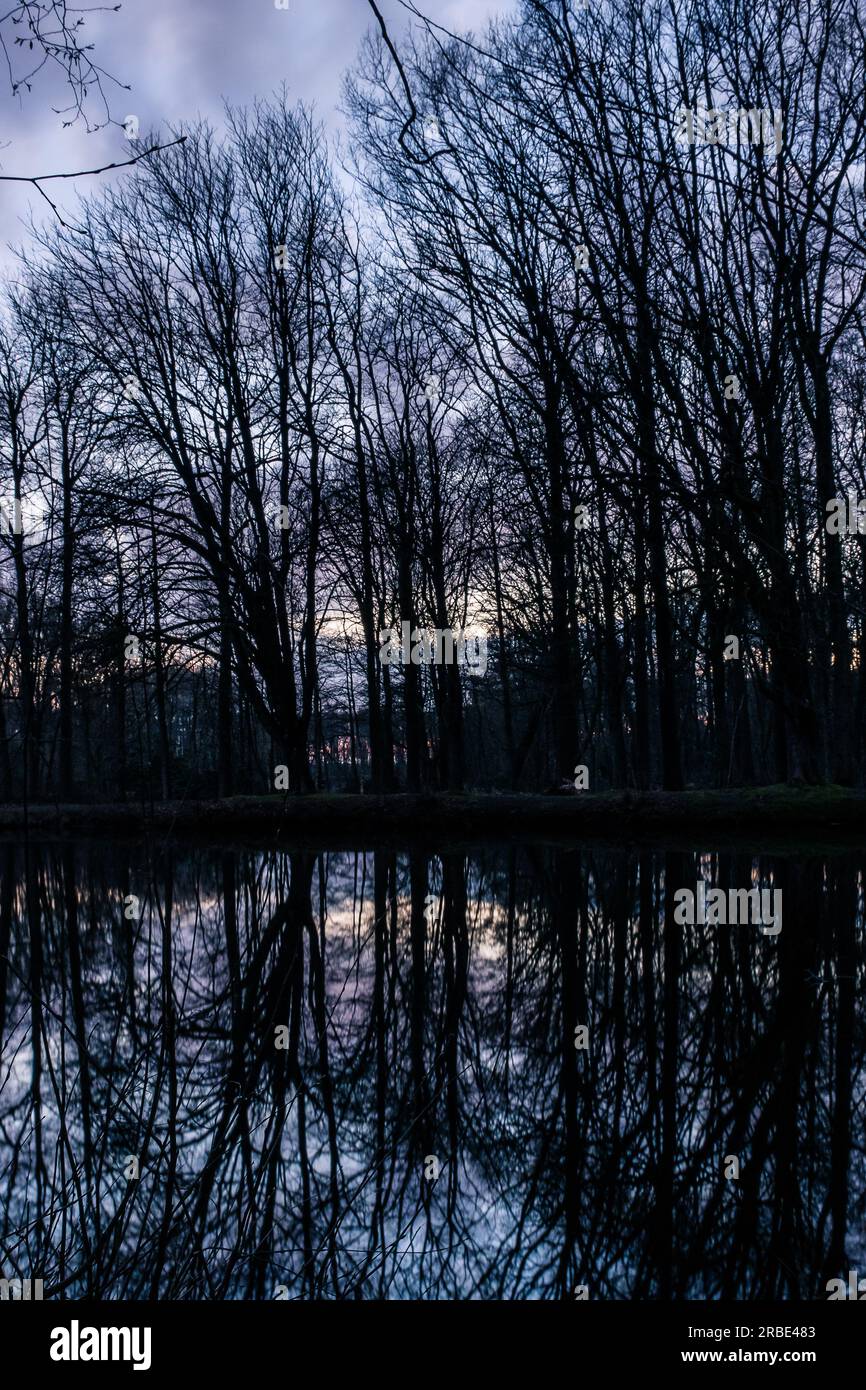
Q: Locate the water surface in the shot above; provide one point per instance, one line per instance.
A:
(289, 1045)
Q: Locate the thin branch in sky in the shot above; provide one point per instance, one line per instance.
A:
(39, 179)
(413, 110)
(49, 32)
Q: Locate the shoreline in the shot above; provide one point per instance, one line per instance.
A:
(773, 811)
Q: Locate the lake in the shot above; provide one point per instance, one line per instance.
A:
(443, 1072)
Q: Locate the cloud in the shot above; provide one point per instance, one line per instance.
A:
(182, 61)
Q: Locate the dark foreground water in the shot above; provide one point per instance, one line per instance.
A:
(365, 1075)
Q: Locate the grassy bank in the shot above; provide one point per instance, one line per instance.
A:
(770, 811)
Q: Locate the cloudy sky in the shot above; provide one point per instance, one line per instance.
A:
(181, 58)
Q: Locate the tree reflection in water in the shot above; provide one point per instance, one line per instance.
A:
(429, 1004)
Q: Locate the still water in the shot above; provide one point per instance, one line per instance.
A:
(491, 1072)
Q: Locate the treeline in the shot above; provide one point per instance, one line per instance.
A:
(534, 366)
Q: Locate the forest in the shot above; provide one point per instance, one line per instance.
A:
(562, 348)
(432, 620)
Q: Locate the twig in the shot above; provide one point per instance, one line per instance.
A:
(38, 179)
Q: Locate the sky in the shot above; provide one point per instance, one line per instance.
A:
(181, 59)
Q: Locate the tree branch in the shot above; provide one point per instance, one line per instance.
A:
(38, 179)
